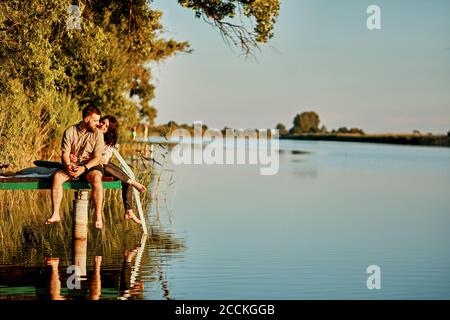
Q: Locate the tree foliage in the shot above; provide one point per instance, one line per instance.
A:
(346, 130)
(306, 122)
(229, 17)
(281, 129)
(105, 63)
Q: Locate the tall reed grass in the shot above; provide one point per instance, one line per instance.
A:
(32, 126)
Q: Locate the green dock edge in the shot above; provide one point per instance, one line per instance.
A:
(36, 185)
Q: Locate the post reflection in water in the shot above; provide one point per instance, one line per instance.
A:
(55, 281)
(80, 256)
(96, 282)
(130, 285)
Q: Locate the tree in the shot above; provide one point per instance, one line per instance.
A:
(306, 122)
(281, 129)
(342, 130)
(148, 114)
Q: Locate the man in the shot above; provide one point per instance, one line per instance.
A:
(86, 143)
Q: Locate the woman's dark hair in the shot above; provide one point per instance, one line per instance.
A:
(113, 131)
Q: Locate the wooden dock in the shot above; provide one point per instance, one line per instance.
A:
(46, 183)
(80, 208)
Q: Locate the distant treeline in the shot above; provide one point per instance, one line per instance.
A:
(411, 139)
(165, 130)
(306, 126)
(304, 123)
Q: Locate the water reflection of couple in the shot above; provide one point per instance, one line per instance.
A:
(55, 281)
(86, 152)
(127, 289)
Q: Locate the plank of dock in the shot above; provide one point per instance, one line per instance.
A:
(46, 183)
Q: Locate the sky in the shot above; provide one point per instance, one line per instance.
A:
(322, 58)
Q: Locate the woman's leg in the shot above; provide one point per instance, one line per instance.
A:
(127, 189)
(127, 198)
(116, 172)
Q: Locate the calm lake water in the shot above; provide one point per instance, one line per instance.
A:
(308, 232)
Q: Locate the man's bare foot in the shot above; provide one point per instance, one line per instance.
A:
(54, 218)
(99, 224)
(130, 215)
(139, 186)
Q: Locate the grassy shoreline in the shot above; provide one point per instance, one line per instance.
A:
(398, 139)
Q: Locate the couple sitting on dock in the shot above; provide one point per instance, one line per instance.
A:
(86, 150)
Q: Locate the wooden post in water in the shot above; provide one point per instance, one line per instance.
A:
(80, 225)
(80, 256)
(80, 214)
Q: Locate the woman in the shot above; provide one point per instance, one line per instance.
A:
(109, 127)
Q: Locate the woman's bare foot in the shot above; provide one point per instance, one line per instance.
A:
(54, 218)
(99, 224)
(130, 215)
(139, 186)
